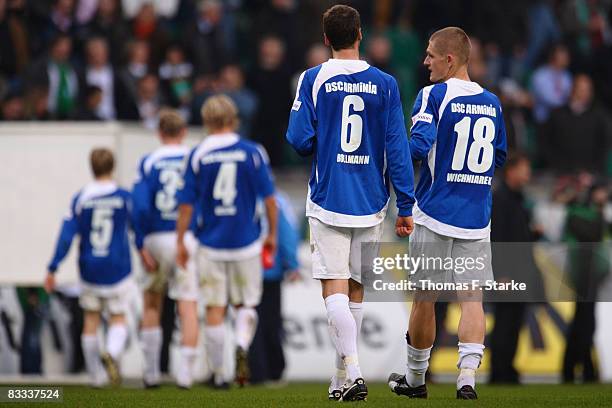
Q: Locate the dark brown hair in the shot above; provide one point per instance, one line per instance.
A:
(341, 26)
(102, 162)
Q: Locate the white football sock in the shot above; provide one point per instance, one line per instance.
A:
(115, 340)
(416, 366)
(151, 338)
(343, 331)
(215, 337)
(470, 355)
(340, 377)
(246, 323)
(184, 376)
(91, 353)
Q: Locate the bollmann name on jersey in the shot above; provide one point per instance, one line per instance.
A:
(352, 158)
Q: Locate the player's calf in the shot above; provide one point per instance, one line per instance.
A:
(91, 353)
(189, 332)
(246, 324)
(215, 340)
(151, 339)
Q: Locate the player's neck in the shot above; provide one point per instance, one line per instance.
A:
(346, 54)
(461, 74)
(172, 142)
(104, 179)
(222, 131)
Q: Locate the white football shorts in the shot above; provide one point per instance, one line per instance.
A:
(336, 251)
(238, 282)
(115, 299)
(182, 283)
(440, 251)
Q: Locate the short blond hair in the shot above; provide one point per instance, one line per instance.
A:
(171, 123)
(452, 40)
(219, 112)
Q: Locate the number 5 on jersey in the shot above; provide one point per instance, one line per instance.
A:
(101, 230)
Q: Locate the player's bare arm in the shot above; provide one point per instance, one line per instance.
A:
(185, 212)
(50, 282)
(148, 261)
(272, 215)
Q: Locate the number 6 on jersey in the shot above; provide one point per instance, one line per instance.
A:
(354, 135)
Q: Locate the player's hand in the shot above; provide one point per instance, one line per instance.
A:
(50, 282)
(293, 276)
(404, 226)
(148, 261)
(270, 243)
(182, 255)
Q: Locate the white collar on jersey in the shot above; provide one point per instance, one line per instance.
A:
(103, 185)
(467, 85)
(358, 65)
(171, 148)
(334, 67)
(222, 135)
(95, 189)
(213, 142)
(163, 151)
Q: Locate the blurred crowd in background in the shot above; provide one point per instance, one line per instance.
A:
(549, 61)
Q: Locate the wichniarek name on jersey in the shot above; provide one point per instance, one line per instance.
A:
(468, 178)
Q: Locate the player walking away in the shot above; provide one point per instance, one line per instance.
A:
(160, 175)
(100, 214)
(458, 134)
(348, 115)
(225, 177)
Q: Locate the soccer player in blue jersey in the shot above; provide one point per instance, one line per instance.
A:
(100, 215)
(458, 134)
(348, 115)
(160, 175)
(225, 178)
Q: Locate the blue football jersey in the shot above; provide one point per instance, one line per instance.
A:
(349, 116)
(100, 215)
(225, 176)
(160, 176)
(458, 133)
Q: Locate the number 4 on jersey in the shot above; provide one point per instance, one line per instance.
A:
(225, 189)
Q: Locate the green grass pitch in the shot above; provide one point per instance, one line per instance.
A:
(315, 395)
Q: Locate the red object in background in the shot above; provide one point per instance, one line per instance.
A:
(267, 257)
